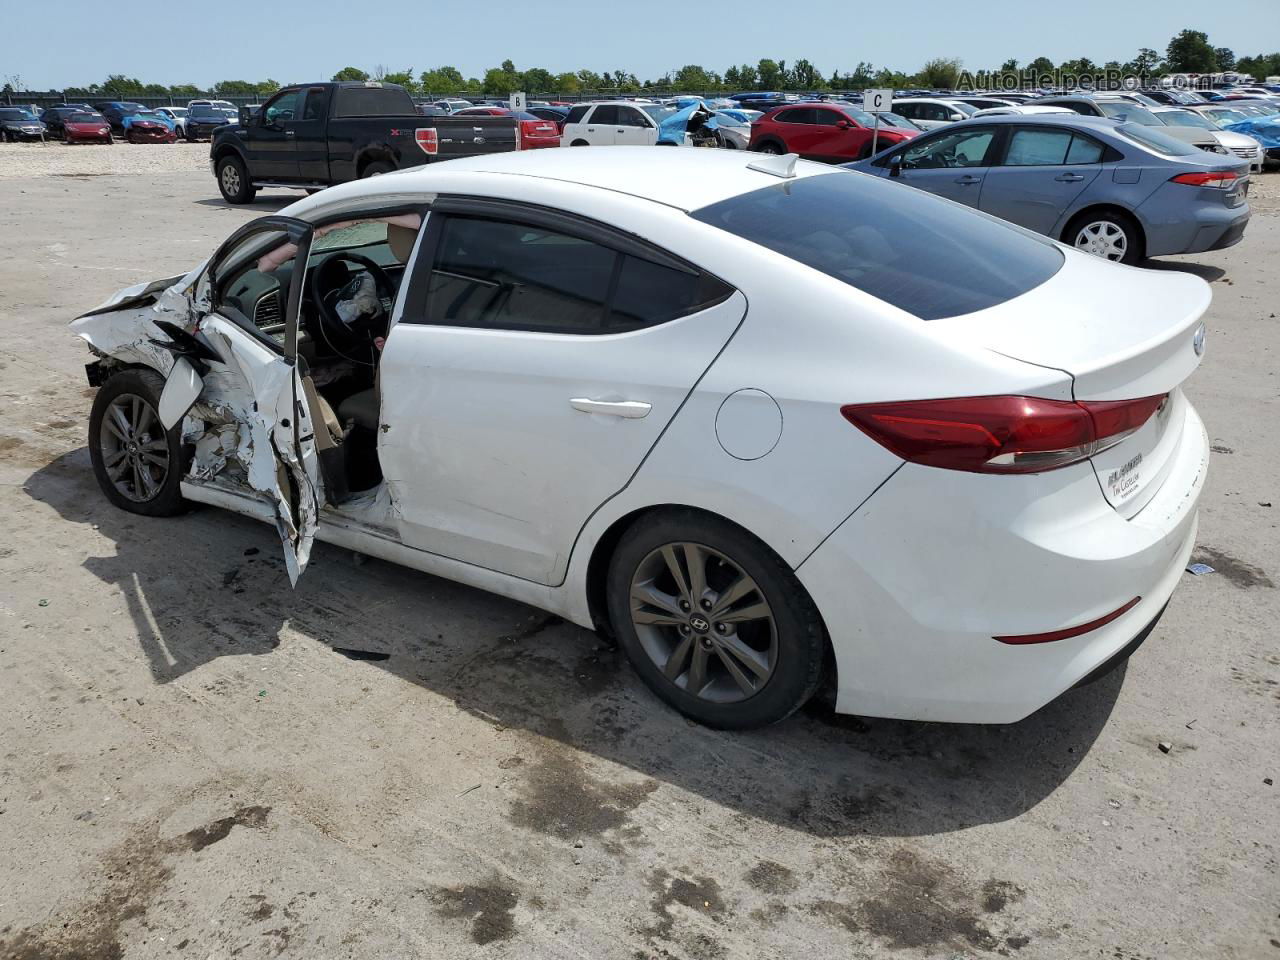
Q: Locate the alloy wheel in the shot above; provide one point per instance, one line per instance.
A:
(704, 622)
(230, 179)
(135, 450)
(1103, 238)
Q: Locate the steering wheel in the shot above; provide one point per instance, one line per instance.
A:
(326, 294)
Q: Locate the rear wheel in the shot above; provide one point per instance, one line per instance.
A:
(1109, 234)
(579, 143)
(138, 464)
(713, 620)
(233, 180)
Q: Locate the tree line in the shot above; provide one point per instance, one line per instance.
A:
(1189, 52)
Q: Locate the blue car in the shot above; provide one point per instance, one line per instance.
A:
(1117, 189)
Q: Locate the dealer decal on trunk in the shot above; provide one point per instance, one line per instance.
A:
(1124, 480)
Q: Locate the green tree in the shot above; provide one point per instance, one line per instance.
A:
(589, 80)
(1145, 64)
(185, 90)
(538, 80)
(771, 75)
(692, 77)
(805, 76)
(499, 82)
(1226, 58)
(441, 80)
(155, 90)
(350, 73)
(1260, 67)
(404, 78)
(118, 85)
(508, 66)
(1191, 52)
(940, 72)
(1009, 66)
(567, 83)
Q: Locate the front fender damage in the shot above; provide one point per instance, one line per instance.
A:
(240, 428)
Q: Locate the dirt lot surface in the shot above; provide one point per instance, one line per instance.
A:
(188, 767)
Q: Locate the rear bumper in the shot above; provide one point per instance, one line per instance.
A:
(912, 621)
(1176, 221)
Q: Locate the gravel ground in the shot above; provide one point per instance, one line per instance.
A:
(189, 767)
(56, 159)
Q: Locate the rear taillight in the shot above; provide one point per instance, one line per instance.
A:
(428, 140)
(1000, 434)
(1222, 179)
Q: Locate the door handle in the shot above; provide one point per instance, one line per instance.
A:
(968, 179)
(591, 129)
(288, 133)
(1069, 178)
(627, 409)
(621, 130)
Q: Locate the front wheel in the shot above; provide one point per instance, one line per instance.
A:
(233, 180)
(771, 148)
(138, 464)
(1109, 234)
(377, 168)
(713, 620)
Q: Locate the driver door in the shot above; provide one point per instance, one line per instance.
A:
(273, 137)
(256, 380)
(952, 164)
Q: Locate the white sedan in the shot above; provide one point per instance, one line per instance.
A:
(766, 422)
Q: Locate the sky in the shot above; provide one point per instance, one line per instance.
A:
(186, 42)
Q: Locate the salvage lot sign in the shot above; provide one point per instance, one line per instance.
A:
(875, 101)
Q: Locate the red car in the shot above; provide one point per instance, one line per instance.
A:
(86, 128)
(534, 131)
(835, 132)
(144, 130)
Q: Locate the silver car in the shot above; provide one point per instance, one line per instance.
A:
(1120, 190)
(1241, 144)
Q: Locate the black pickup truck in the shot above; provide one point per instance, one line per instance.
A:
(313, 135)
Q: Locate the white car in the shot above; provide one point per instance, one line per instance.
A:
(177, 116)
(452, 105)
(763, 420)
(1025, 110)
(929, 113)
(1242, 145)
(613, 123)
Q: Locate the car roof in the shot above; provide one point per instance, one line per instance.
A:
(684, 179)
(1045, 119)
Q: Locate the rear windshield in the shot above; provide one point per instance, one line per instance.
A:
(906, 247)
(373, 102)
(1157, 141)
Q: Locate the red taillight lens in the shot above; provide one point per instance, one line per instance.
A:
(1222, 179)
(428, 140)
(999, 434)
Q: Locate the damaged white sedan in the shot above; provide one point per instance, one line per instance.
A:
(767, 422)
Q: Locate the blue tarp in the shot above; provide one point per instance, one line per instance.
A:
(672, 129)
(1266, 130)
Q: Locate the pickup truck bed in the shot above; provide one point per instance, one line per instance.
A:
(314, 135)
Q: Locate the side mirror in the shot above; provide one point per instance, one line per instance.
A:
(246, 114)
(895, 165)
(843, 124)
(957, 116)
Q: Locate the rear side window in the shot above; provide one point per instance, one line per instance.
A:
(576, 114)
(606, 115)
(372, 102)
(506, 275)
(904, 246)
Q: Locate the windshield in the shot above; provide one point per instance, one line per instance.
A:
(1227, 116)
(129, 108)
(906, 247)
(658, 113)
(1156, 141)
(897, 120)
(16, 113)
(1134, 113)
(964, 108)
(864, 118)
(177, 111)
(206, 113)
(84, 118)
(1184, 118)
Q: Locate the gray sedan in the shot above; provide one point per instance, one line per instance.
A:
(1116, 189)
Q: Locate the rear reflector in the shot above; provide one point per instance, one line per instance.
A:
(1070, 632)
(1221, 179)
(428, 140)
(1000, 434)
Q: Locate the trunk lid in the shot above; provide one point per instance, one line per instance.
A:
(473, 136)
(1122, 333)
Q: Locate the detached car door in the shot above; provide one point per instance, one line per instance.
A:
(1043, 172)
(256, 382)
(537, 360)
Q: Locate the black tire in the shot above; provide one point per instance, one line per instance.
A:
(579, 143)
(165, 499)
(233, 180)
(771, 147)
(377, 168)
(1135, 243)
(794, 656)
